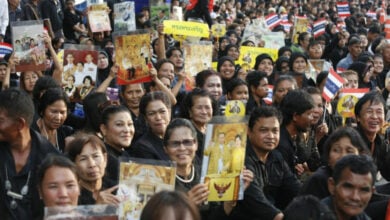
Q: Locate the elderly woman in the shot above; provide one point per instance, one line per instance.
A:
(180, 144)
(89, 154)
(53, 111)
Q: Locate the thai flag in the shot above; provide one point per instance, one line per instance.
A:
(5, 49)
(319, 27)
(286, 25)
(268, 99)
(284, 17)
(371, 14)
(309, 29)
(333, 84)
(387, 28)
(358, 93)
(343, 9)
(272, 20)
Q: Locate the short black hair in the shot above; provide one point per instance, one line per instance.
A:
(263, 112)
(358, 164)
(178, 123)
(153, 96)
(295, 102)
(169, 52)
(188, 101)
(374, 97)
(49, 97)
(307, 207)
(201, 77)
(17, 104)
(253, 78)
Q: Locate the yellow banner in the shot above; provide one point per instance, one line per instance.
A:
(186, 28)
(248, 55)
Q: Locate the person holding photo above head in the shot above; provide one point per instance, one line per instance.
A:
(274, 185)
(298, 65)
(162, 82)
(156, 108)
(89, 154)
(21, 151)
(58, 182)
(258, 90)
(53, 111)
(199, 107)
(180, 144)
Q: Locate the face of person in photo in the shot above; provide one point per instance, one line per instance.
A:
(89, 58)
(353, 81)
(80, 67)
(318, 108)
(8, 127)
(166, 70)
(59, 187)
(303, 121)
(266, 66)
(351, 194)
(87, 82)
(70, 58)
(227, 70)
(239, 93)
(70, 80)
(299, 65)
(177, 59)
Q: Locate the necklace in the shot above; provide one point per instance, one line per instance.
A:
(14, 195)
(191, 178)
(47, 135)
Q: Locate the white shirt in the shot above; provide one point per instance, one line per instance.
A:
(91, 70)
(4, 19)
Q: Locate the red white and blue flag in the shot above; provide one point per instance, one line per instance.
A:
(319, 27)
(268, 99)
(333, 84)
(286, 26)
(343, 9)
(272, 20)
(5, 49)
(371, 14)
(284, 17)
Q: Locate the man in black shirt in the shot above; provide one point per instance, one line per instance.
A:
(274, 184)
(21, 152)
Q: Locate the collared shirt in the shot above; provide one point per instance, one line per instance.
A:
(345, 62)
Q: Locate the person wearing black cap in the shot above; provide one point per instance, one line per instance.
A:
(354, 49)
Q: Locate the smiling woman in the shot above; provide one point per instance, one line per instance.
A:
(58, 182)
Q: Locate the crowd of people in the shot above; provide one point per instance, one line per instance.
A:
(303, 159)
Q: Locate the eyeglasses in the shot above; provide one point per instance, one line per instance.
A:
(185, 142)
